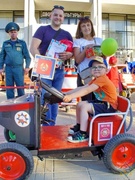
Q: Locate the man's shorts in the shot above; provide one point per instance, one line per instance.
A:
(100, 107)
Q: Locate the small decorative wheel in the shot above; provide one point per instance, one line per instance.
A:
(123, 93)
(119, 153)
(16, 161)
(67, 108)
(9, 135)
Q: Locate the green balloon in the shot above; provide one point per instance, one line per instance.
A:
(109, 46)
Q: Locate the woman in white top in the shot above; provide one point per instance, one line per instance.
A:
(85, 38)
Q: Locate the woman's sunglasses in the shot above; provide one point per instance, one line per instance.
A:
(84, 18)
(58, 7)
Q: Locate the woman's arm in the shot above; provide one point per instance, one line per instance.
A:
(78, 55)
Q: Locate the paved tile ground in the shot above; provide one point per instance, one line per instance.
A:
(73, 166)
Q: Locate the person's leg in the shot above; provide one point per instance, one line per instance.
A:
(76, 127)
(48, 113)
(18, 74)
(85, 109)
(78, 109)
(9, 82)
(82, 114)
(57, 82)
(82, 110)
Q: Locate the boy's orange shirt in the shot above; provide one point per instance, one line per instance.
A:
(106, 91)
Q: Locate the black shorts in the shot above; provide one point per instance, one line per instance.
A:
(100, 107)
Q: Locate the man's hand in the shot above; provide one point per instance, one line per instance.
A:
(1, 71)
(65, 55)
(26, 70)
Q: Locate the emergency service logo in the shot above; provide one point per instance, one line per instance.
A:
(22, 119)
(105, 131)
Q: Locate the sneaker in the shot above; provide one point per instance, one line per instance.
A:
(78, 137)
(74, 129)
(47, 122)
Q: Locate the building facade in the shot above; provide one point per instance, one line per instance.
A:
(115, 18)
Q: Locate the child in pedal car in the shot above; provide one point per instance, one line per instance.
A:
(106, 99)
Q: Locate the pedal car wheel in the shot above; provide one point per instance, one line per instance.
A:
(119, 153)
(16, 161)
(9, 135)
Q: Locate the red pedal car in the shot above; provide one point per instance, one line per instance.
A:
(21, 118)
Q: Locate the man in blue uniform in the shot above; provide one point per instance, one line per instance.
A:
(14, 52)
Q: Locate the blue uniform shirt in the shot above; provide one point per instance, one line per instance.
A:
(13, 53)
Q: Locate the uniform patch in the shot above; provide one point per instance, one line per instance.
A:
(18, 49)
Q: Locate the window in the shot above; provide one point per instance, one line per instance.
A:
(131, 31)
(70, 17)
(5, 17)
(19, 19)
(119, 27)
(122, 28)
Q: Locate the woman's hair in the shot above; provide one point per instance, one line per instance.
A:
(79, 34)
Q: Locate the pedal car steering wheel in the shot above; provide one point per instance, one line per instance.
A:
(57, 94)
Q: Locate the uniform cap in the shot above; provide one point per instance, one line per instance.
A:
(12, 26)
(98, 59)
